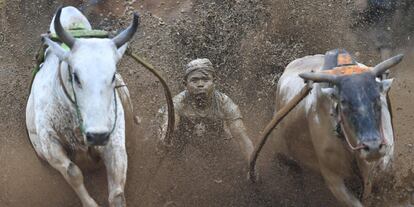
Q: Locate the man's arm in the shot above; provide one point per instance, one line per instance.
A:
(178, 104)
(238, 131)
(233, 117)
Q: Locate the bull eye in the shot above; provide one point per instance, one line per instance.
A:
(76, 78)
(343, 103)
(113, 78)
(345, 106)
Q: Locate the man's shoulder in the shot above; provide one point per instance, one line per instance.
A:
(222, 97)
(181, 96)
(227, 108)
(180, 99)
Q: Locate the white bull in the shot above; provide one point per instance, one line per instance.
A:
(355, 106)
(74, 109)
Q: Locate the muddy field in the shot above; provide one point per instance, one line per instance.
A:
(250, 42)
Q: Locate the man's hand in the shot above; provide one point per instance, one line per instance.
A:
(238, 131)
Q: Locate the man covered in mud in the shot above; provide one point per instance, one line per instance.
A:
(208, 142)
(203, 114)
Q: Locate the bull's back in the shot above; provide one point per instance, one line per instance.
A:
(293, 130)
(71, 18)
(290, 83)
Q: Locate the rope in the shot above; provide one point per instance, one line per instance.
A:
(63, 86)
(273, 123)
(116, 111)
(168, 96)
(361, 145)
(75, 102)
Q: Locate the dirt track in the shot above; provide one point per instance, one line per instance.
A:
(250, 42)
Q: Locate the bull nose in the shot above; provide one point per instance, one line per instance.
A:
(97, 138)
(372, 146)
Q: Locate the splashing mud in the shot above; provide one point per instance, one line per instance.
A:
(249, 42)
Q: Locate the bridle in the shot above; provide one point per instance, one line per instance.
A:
(74, 101)
(341, 130)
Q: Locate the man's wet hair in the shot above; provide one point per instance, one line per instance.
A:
(203, 65)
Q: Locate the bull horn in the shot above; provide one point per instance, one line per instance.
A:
(319, 77)
(385, 65)
(127, 34)
(64, 36)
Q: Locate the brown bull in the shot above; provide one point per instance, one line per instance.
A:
(344, 120)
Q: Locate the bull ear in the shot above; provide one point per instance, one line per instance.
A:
(330, 93)
(386, 85)
(59, 51)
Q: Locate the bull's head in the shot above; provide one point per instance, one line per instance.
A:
(361, 102)
(92, 63)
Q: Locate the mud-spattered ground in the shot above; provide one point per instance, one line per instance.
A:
(250, 42)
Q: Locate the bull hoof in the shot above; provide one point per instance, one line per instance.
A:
(118, 200)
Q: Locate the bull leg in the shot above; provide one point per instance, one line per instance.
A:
(116, 163)
(367, 177)
(367, 189)
(331, 156)
(58, 159)
(336, 185)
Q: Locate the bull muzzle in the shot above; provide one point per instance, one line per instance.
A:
(373, 150)
(97, 139)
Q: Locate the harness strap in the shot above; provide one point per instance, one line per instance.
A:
(78, 113)
(341, 123)
(63, 86)
(116, 111)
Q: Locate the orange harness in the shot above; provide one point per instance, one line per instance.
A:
(347, 70)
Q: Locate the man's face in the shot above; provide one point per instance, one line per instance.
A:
(200, 84)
